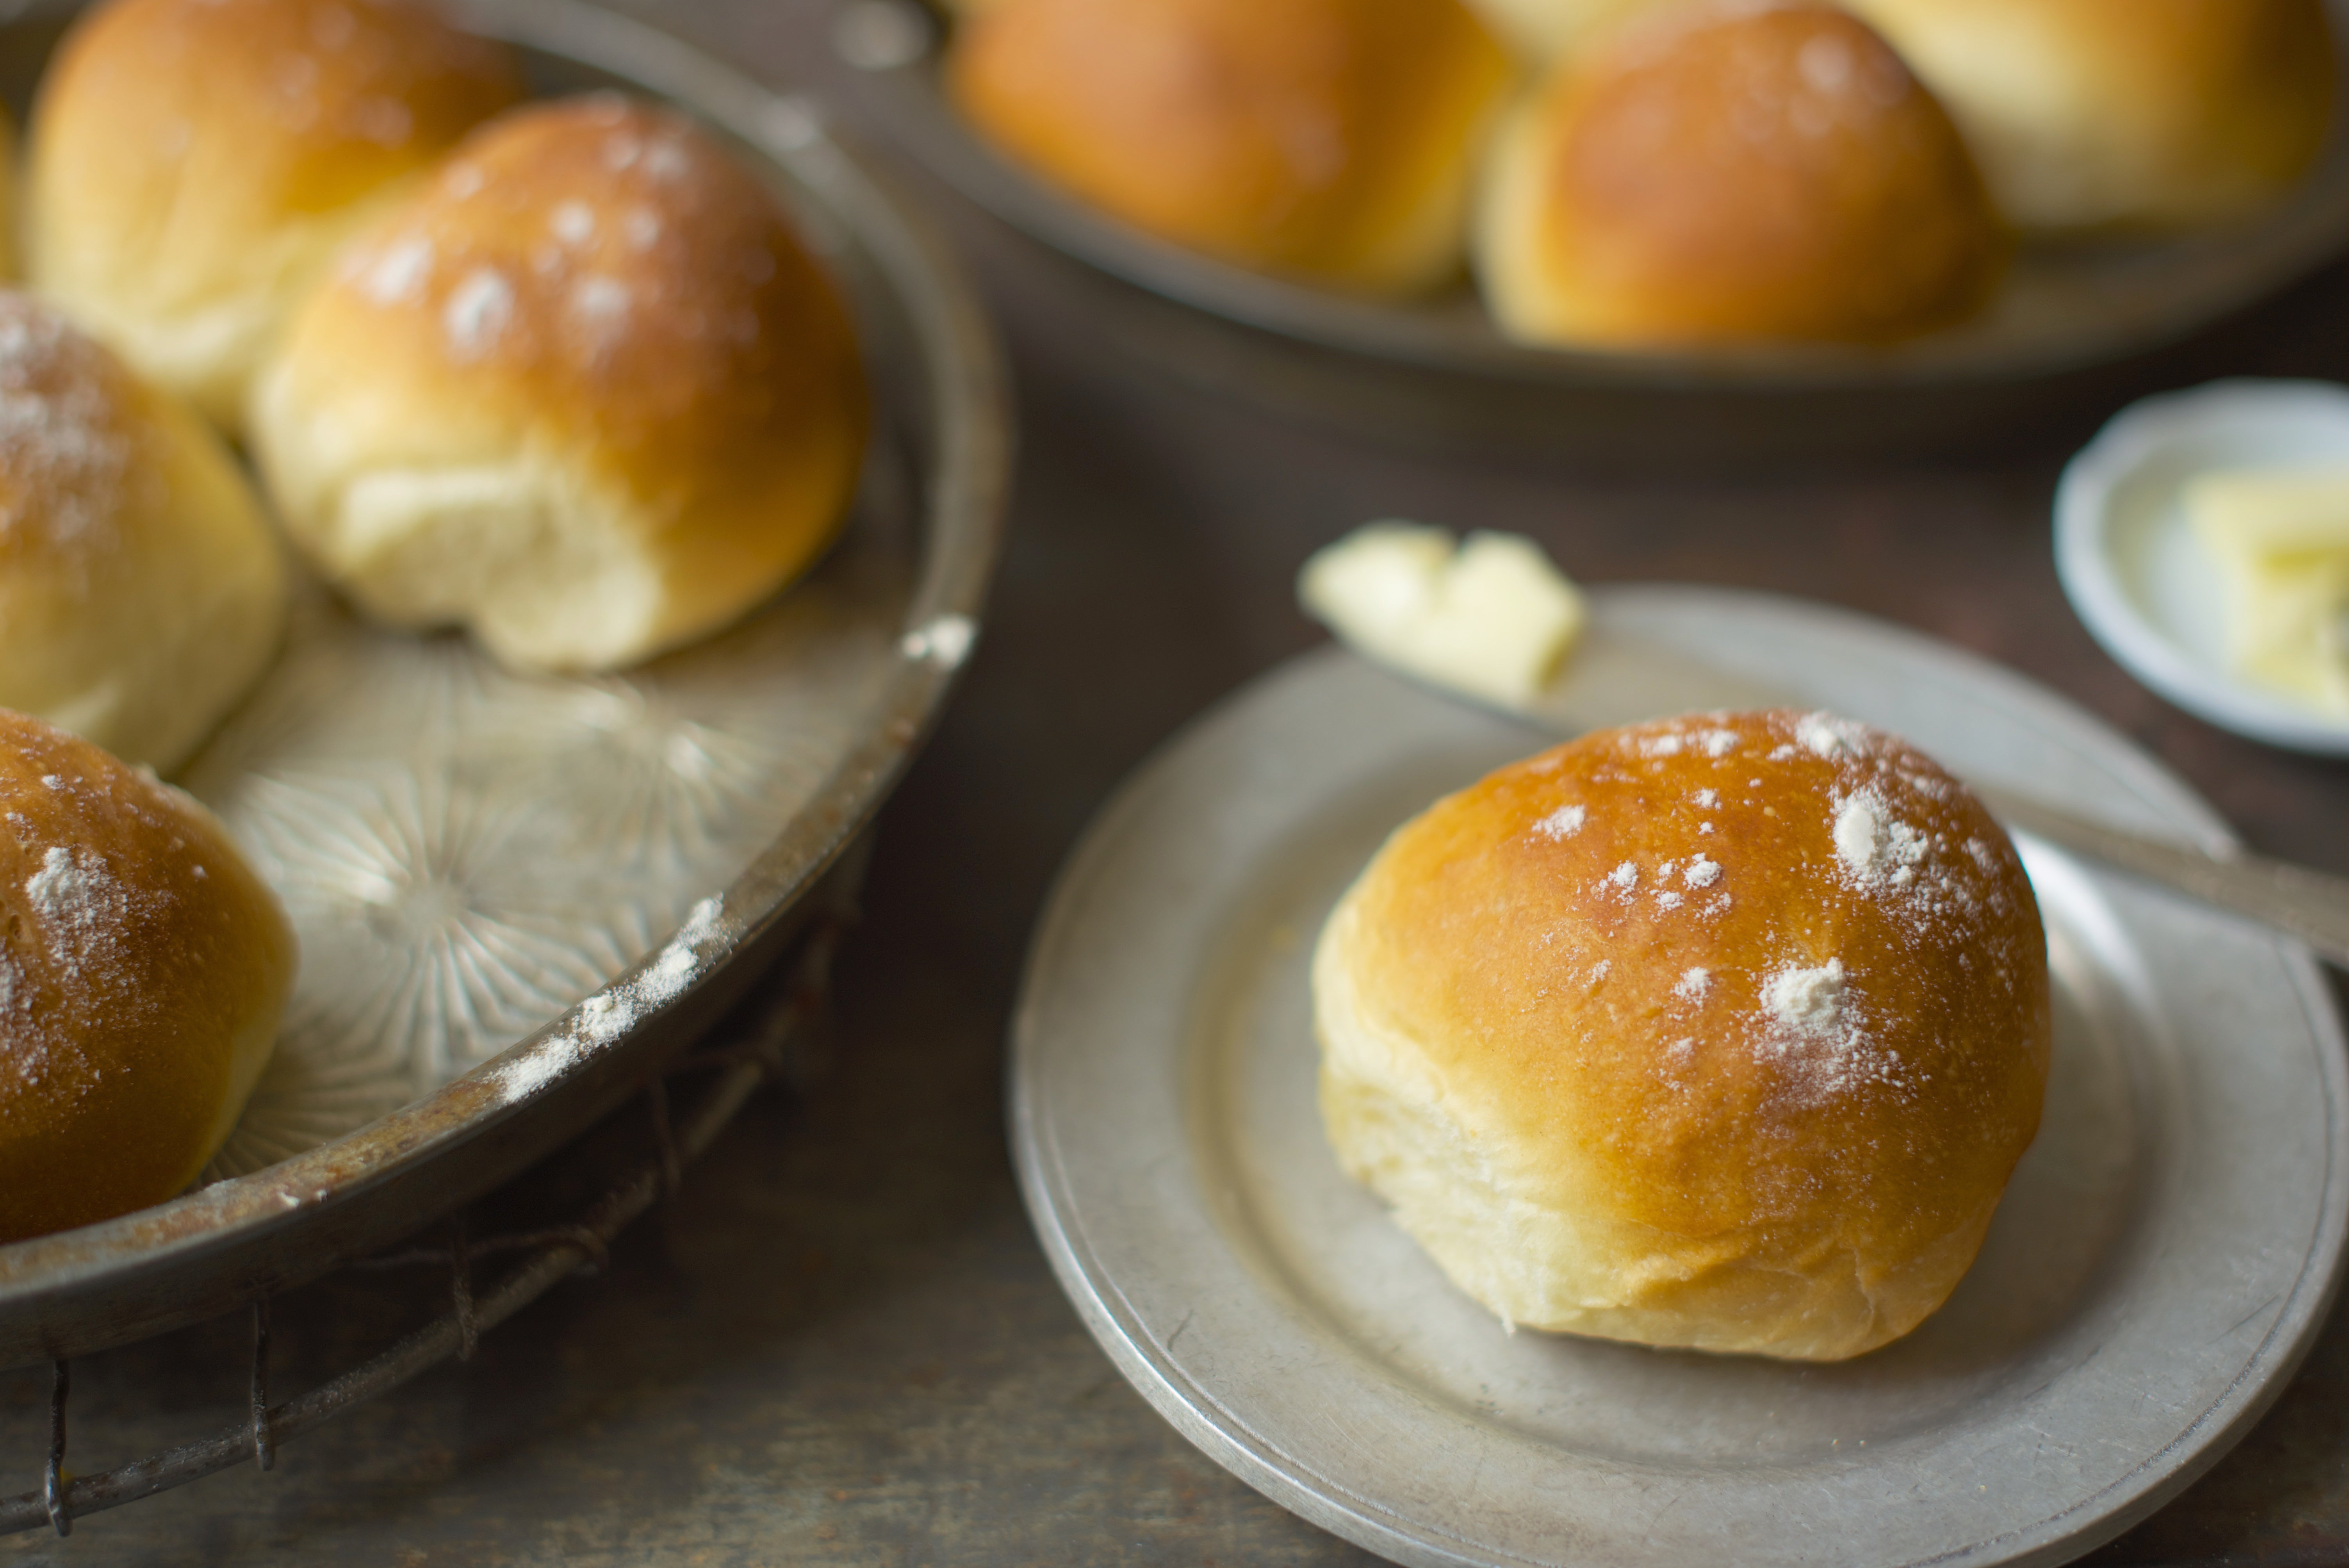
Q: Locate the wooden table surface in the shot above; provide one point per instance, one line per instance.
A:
(842, 1345)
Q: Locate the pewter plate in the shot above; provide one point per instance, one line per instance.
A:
(2161, 1260)
(514, 893)
(2065, 304)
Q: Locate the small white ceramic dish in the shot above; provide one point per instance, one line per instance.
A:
(2140, 580)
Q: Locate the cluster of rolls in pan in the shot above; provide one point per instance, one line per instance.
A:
(557, 372)
(1654, 173)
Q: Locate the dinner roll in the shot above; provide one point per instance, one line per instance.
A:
(1332, 140)
(1722, 1032)
(194, 162)
(1728, 173)
(142, 588)
(142, 970)
(586, 393)
(2092, 112)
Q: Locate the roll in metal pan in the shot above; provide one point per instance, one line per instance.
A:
(2066, 303)
(2077, 324)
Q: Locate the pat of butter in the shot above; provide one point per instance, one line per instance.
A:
(2270, 511)
(1491, 617)
(2280, 539)
(2284, 623)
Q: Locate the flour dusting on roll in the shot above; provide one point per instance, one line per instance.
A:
(1722, 1032)
(195, 162)
(143, 968)
(587, 395)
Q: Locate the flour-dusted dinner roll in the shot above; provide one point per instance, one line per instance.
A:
(1720, 1032)
(142, 588)
(142, 970)
(1332, 140)
(2084, 113)
(586, 394)
(194, 162)
(1725, 173)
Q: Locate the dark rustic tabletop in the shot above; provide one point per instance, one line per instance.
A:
(841, 1345)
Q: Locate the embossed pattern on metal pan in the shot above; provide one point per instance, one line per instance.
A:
(2162, 1260)
(2064, 307)
(515, 894)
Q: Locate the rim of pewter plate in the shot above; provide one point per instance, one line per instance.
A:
(2104, 313)
(219, 1246)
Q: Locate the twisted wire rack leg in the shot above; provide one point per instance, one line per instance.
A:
(552, 1254)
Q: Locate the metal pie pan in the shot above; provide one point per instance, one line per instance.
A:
(2066, 306)
(2162, 1260)
(516, 895)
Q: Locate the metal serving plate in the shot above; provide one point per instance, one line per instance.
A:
(2162, 1259)
(516, 893)
(2064, 307)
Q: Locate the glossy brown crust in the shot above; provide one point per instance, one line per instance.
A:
(1545, 991)
(2154, 112)
(1327, 138)
(594, 283)
(264, 106)
(130, 974)
(1736, 173)
(176, 144)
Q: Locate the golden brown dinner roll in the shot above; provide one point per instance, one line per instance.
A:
(142, 970)
(194, 162)
(1721, 1032)
(586, 394)
(142, 588)
(1333, 140)
(1728, 173)
(2090, 112)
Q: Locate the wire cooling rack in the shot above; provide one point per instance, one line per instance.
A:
(772, 1038)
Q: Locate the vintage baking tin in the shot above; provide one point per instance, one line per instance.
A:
(515, 894)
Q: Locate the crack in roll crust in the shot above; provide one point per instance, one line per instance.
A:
(1721, 1032)
(195, 162)
(586, 394)
(143, 968)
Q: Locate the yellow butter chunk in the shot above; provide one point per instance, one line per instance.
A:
(2284, 623)
(2280, 539)
(2270, 511)
(1491, 617)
